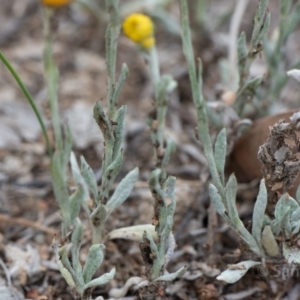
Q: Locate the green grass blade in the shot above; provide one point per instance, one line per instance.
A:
(29, 99)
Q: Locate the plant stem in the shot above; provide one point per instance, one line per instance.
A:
(51, 75)
(111, 56)
(160, 102)
(154, 66)
(203, 128)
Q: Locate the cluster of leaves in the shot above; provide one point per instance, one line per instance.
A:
(274, 51)
(248, 87)
(158, 247)
(267, 233)
(157, 241)
(251, 96)
(80, 278)
(161, 186)
(262, 238)
(286, 224)
(111, 123)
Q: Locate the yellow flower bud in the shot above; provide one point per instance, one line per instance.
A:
(55, 3)
(139, 28)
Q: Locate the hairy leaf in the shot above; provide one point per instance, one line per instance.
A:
(259, 211)
(123, 190)
(93, 262)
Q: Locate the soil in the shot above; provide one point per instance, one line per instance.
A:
(29, 214)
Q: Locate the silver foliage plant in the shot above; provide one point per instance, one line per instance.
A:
(262, 239)
(160, 184)
(156, 238)
(111, 123)
(250, 94)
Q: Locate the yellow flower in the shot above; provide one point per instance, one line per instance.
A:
(139, 28)
(55, 3)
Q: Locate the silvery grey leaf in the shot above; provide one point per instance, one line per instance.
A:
(170, 194)
(167, 84)
(259, 20)
(292, 254)
(104, 279)
(64, 254)
(117, 293)
(281, 207)
(295, 227)
(298, 194)
(89, 178)
(276, 227)
(76, 200)
(259, 211)
(293, 203)
(235, 272)
(217, 200)
(111, 50)
(287, 226)
(231, 189)
(172, 276)
(59, 185)
(170, 148)
(119, 85)
(293, 18)
(295, 215)
(123, 190)
(119, 131)
(170, 187)
(133, 233)
(171, 245)
(147, 235)
(267, 220)
(75, 168)
(93, 261)
(220, 152)
(250, 87)
(64, 271)
(269, 243)
(111, 172)
(76, 238)
(242, 53)
(165, 233)
(154, 184)
(79, 180)
(264, 27)
(247, 91)
(68, 143)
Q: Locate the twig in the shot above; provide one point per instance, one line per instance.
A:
(26, 223)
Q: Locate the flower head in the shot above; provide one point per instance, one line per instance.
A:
(139, 28)
(55, 3)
